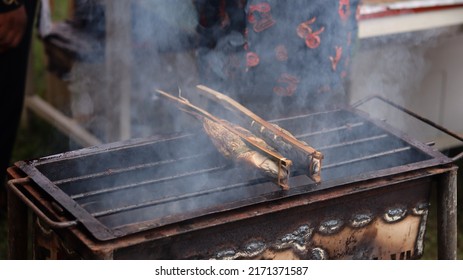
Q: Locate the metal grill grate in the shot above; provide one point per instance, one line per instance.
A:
(122, 188)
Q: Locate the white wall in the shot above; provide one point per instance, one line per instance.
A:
(422, 71)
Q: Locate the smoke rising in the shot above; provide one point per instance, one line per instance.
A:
(169, 51)
(178, 44)
(162, 39)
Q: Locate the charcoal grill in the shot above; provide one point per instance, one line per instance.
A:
(175, 197)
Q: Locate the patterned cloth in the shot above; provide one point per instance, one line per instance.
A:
(288, 54)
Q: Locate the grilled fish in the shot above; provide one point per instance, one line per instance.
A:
(231, 146)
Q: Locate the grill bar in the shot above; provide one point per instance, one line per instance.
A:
(140, 184)
(367, 157)
(165, 200)
(302, 116)
(358, 141)
(121, 170)
(343, 127)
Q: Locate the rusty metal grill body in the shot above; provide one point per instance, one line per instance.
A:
(176, 197)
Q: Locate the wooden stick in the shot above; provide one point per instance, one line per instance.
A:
(68, 126)
(282, 140)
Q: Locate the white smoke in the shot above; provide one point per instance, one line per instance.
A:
(161, 36)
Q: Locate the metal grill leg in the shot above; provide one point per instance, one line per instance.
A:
(447, 216)
(17, 228)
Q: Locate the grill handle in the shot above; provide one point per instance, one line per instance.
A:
(415, 115)
(52, 224)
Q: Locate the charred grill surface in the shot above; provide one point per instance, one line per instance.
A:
(149, 183)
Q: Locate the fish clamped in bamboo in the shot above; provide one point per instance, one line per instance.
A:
(303, 156)
(237, 143)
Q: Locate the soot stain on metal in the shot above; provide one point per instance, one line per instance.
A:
(421, 209)
(330, 226)
(318, 254)
(395, 214)
(361, 220)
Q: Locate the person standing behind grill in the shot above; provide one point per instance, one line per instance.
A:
(278, 57)
(16, 20)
